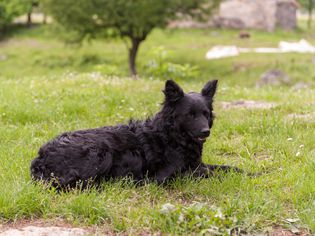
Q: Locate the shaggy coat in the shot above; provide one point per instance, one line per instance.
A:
(168, 144)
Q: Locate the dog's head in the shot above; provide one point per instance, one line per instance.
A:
(192, 112)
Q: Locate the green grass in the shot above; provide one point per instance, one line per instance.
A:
(47, 88)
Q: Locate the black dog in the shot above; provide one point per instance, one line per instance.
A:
(159, 148)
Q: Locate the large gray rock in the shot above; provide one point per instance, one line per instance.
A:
(258, 14)
(286, 14)
(273, 77)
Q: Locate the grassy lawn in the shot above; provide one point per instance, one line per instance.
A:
(47, 88)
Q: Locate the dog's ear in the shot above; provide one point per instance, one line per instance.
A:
(172, 91)
(209, 89)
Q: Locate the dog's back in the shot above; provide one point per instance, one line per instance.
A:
(80, 156)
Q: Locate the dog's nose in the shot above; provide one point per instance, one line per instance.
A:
(205, 132)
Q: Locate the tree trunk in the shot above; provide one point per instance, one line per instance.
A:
(310, 9)
(44, 18)
(133, 50)
(29, 19)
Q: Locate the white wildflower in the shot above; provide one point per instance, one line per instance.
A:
(219, 213)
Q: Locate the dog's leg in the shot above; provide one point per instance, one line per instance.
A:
(165, 173)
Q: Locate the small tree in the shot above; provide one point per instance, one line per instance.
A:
(30, 5)
(131, 20)
(8, 10)
(309, 5)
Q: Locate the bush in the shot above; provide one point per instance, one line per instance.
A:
(159, 67)
(10, 9)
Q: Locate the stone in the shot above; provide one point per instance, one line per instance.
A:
(247, 14)
(258, 14)
(301, 85)
(3, 57)
(167, 208)
(222, 51)
(273, 77)
(286, 14)
(232, 23)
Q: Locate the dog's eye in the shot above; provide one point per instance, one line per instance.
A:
(191, 114)
(205, 113)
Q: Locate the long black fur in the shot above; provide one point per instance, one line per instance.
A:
(168, 144)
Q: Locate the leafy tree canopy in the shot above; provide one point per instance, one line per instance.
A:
(127, 19)
(9, 9)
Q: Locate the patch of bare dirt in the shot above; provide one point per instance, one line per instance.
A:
(275, 231)
(280, 231)
(45, 231)
(248, 104)
(32, 43)
(54, 227)
(58, 227)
